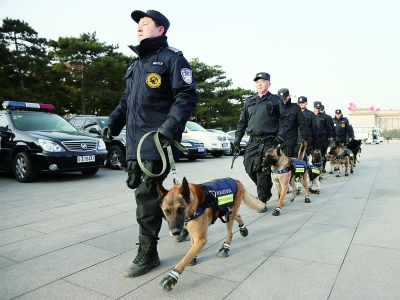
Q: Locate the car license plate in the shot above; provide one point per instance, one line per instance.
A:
(224, 145)
(87, 158)
(200, 149)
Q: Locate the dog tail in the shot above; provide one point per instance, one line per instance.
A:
(302, 150)
(249, 200)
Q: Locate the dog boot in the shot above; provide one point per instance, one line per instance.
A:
(276, 212)
(243, 230)
(307, 200)
(183, 236)
(168, 283)
(193, 261)
(146, 258)
(224, 251)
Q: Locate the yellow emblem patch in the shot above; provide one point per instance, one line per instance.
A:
(153, 80)
(343, 125)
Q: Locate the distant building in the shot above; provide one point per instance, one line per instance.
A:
(384, 119)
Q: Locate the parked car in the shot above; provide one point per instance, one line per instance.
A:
(230, 139)
(34, 140)
(196, 149)
(214, 143)
(93, 125)
(243, 142)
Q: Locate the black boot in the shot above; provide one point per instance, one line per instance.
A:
(264, 200)
(146, 258)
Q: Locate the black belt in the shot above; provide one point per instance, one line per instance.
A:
(258, 138)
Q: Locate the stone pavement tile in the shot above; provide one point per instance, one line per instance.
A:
(378, 231)
(383, 208)
(36, 207)
(46, 243)
(12, 235)
(4, 262)
(191, 285)
(319, 243)
(343, 214)
(287, 278)
(24, 219)
(389, 180)
(62, 290)
(21, 278)
(123, 220)
(368, 273)
(382, 194)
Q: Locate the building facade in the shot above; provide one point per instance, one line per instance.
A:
(384, 119)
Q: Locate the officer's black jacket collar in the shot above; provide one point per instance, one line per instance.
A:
(149, 46)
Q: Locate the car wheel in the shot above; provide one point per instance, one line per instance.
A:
(114, 155)
(90, 171)
(230, 151)
(23, 168)
(217, 153)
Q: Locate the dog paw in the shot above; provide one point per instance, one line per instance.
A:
(193, 261)
(307, 200)
(243, 231)
(351, 171)
(346, 174)
(168, 283)
(298, 192)
(276, 212)
(224, 251)
(317, 192)
(330, 172)
(291, 200)
(338, 175)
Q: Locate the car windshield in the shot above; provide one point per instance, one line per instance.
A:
(102, 121)
(38, 122)
(194, 126)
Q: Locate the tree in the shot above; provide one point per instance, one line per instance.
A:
(218, 105)
(23, 58)
(77, 54)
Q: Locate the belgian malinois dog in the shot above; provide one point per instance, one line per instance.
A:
(337, 155)
(180, 206)
(284, 173)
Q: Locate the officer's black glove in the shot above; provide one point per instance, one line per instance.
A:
(164, 141)
(106, 134)
(278, 140)
(134, 174)
(236, 145)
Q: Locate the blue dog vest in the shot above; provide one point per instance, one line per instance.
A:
(219, 194)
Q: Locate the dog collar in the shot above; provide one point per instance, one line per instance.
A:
(285, 170)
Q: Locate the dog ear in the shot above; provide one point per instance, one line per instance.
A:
(278, 151)
(184, 190)
(162, 192)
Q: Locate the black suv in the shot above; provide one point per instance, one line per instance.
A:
(34, 140)
(93, 125)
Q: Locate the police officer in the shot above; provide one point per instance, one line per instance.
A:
(266, 120)
(343, 128)
(160, 95)
(330, 121)
(324, 129)
(311, 126)
(297, 124)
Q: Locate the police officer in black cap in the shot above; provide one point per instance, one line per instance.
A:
(311, 126)
(342, 127)
(267, 122)
(160, 95)
(330, 121)
(324, 129)
(297, 124)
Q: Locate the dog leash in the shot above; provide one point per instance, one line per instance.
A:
(175, 143)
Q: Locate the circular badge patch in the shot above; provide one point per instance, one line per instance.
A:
(343, 125)
(153, 80)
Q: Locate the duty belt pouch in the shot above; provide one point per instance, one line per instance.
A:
(134, 174)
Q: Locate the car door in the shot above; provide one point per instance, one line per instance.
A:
(6, 138)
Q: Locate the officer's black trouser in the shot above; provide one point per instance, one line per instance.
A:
(253, 159)
(148, 212)
(323, 142)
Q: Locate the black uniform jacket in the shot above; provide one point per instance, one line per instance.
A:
(297, 124)
(160, 93)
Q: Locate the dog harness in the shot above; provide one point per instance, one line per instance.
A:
(313, 171)
(350, 153)
(219, 195)
(297, 166)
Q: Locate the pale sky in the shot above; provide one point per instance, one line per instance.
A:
(335, 52)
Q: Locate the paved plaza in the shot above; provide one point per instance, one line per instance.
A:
(68, 236)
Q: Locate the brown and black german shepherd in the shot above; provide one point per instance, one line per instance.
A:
(183, 200)
(284, 174)
(337, 155)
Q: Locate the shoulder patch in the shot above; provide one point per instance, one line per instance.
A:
(173, 49)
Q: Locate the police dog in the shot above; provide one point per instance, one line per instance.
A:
(181, 203)
(314, 170)
(284, 173)
(355, 146)
(337, 155)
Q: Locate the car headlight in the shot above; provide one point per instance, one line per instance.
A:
(50, 146)
(101, 145)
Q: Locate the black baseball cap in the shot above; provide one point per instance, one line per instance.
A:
(322, 107)
(338, 111)
(155, 15)
(262, 75)
(317, 104)
(302, 99)
(283, 93)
